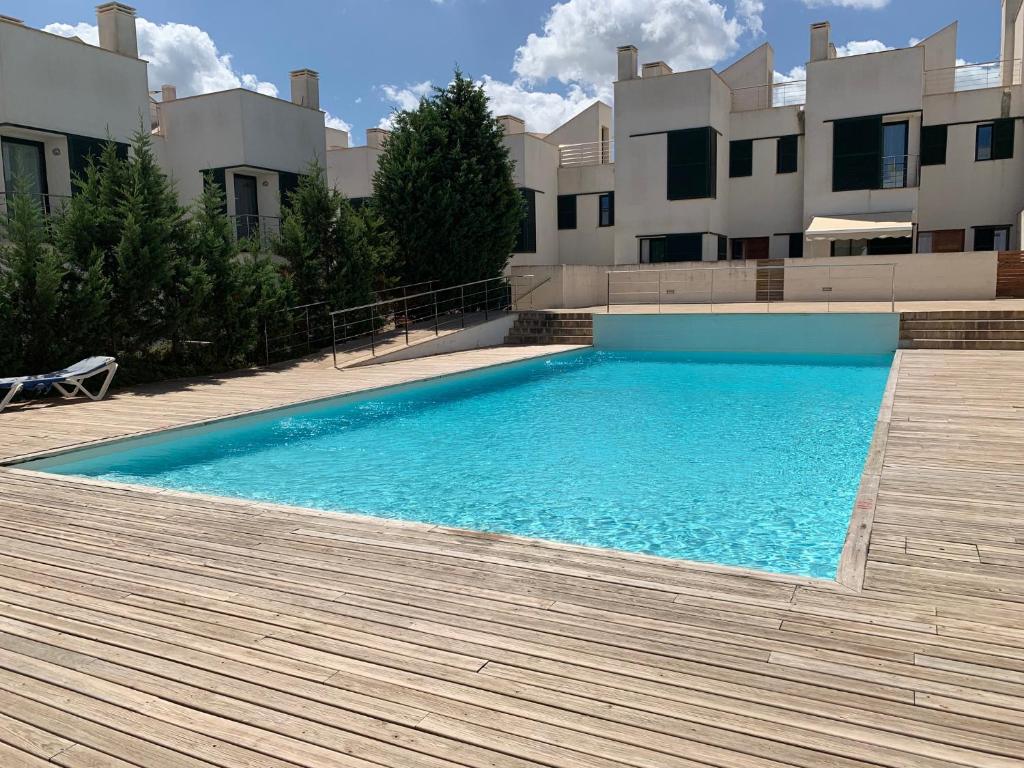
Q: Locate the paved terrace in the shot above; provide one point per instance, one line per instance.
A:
(158, 629)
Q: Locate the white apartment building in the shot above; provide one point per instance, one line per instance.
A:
(254, 146)
(566, 178)
(61, 99)
(893, 152)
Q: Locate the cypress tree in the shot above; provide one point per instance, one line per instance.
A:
(444, 187)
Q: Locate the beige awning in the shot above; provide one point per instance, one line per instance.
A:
(861, 226)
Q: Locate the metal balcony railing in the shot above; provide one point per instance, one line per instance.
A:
(899, 171)
(48, 204)
(586, 153)
(786, 94)
(970, 77)
(255, 232)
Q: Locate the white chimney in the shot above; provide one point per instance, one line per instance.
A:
(168, 93)
(117, 29)
(306, 88)
(375, 137)
(821, 45)
(336, 138)
(656, 69)
(628, 58)
(512, 124)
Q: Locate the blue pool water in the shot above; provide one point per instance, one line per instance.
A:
(740, 461)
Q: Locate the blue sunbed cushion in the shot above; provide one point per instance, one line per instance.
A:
(81, 368)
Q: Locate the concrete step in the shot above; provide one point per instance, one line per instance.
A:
(534, 314)
(962, 344)
(963, 325)
(968, 333)
(965, 314)
(553, 322)
(548, 339)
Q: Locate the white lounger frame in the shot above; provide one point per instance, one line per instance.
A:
(71, 386)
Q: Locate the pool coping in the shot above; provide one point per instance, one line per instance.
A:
(849, 571)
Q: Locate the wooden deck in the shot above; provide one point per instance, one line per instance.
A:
(158, 629)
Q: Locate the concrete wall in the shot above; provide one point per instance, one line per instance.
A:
(820, 334)
(237, 128)
(351, 170)
(918, 277)
(589, 243)
(487, 334)
(584, 127)
(536, 168)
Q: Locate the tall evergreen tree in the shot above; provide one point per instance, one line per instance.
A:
(444, 187)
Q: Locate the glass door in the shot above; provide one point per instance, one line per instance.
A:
(894, 155)
(24, 168)
(247, 212)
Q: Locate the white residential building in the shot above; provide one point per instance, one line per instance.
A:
(255, 146)
(566, 179)
(61, 99)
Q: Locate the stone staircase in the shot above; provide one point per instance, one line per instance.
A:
(552, 328)
(966, 329)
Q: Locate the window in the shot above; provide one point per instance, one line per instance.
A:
(786, 154)
(692, 163)
(796, 245)
(933, 144)
(991, 238)
(894, 155)
(741, 158)
(983, 142)
(878, 246)
(567, 211)
(750, 248)
(25, 168)
(940, 241)
(687, 247)
(723, 247)
(606, 209)
(856, 153)
(994, 141)
(526, 241)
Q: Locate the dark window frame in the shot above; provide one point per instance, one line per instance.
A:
(851, 170)
(526, 240)
(601, 198)
(568, 211)
(991, 128)
(688, 179)
(796, 243)
(991, 230)
(933, 151)
(787, 153)
(741, 158)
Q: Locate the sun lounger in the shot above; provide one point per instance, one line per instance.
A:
(69, 381)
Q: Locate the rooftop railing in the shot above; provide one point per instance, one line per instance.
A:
(787, 94)
(586, 153)
(970, 77)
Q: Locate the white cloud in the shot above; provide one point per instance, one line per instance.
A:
(579, 38)
(858, 47)
(333, 121)
(543, 110)
(180, 54)
(859, 4)
(403, 98)
(749, 12)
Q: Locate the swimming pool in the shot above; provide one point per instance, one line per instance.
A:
(739, 460)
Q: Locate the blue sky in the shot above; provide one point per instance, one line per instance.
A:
(538, 59)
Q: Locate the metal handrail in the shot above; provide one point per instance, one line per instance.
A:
(768, 95)
(48, 203)
(434, 309)
(516, 300)
(658, 280)
(970, 77)
(586, 153)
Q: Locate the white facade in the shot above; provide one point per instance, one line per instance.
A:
(836, 199)
(61, 99)
(575, 160)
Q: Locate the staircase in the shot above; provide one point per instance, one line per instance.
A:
(552, 328)
(968, 329)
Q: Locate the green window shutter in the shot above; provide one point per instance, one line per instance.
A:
(933, 144)
(567, 211)
(857, 154)
(1002, 138)
(686, 247)
(741, 158)
(526, 242)
(692, 163)
(786, 154)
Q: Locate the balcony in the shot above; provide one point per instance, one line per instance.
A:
(255, 233)
(971, 77)
(788, 94)
(587, 153)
